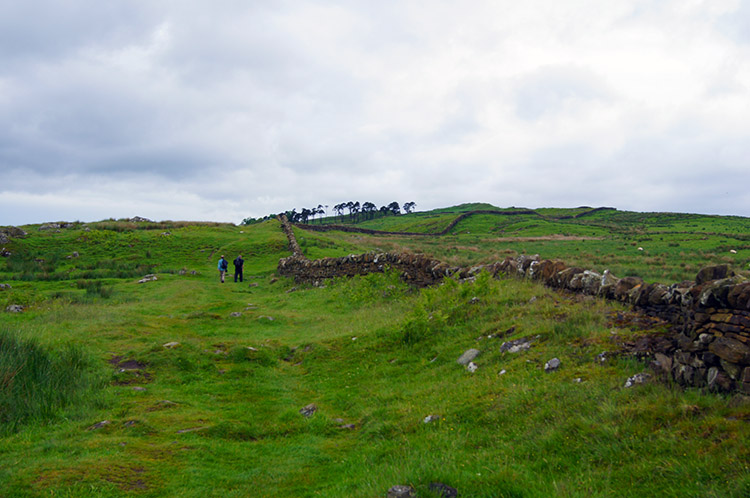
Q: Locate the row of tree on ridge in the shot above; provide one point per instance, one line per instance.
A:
(353, 209)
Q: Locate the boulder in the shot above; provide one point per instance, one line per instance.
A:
(15, 308)
(715, 272)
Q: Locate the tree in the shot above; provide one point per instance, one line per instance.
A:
(368, 209)
(394, 208)
(339, 209)
(305, 214)
(355, 210)
(319, 210)
(409, 206)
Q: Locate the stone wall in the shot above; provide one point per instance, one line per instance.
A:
(710, 317)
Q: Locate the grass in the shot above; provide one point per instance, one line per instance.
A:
(218, 414)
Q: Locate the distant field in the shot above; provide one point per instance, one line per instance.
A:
(96, 400)
(663, 247)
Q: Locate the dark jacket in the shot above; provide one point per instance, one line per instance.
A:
(238, 262)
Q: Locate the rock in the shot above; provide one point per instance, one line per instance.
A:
(308, 410)
(99, 425)
(430, 418)
(607, 285)
(640, 378)
(516, 346)
(49, 226)
(552, 365)
(5, 253)
(15, 308)
(468, 356)
(139, 388)
(716, 272)
(715, 294)
(139, 219)
(171, 345)
(235, 314)
(730, 350)
(399, 491)
(625, 285)
(732, 369)
(472, 367)
(147, 278)
(4, 287)
(602, 357)
(350, 427)
(718, 380)
(664, 362)
(443, 490)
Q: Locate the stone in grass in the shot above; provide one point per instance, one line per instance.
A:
(15, 308)
(235, 314)
(399, 491)
(552, 365)
(640, 378)
(443, 490)
(430, 418)
(171, 345)
(516, 346)
(472, 367)
(99, 425)
(308, 410)
(468, 356)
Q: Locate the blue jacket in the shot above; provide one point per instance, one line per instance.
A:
(223, 264)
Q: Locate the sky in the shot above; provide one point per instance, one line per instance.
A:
(222, 110)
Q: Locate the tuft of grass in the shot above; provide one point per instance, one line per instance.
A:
(37, 383)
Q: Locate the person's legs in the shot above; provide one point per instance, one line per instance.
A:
(240, 274)
(221, 274)
(236, 272)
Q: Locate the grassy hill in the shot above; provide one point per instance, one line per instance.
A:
(97, 402)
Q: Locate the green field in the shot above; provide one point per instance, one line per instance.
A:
(219, 413)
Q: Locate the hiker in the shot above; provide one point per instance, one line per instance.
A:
(238, 263)
(223, 265)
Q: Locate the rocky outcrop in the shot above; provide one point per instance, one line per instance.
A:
(10, 232)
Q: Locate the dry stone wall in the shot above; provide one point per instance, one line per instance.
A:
(710, 317)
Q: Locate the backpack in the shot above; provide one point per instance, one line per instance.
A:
(224, 264)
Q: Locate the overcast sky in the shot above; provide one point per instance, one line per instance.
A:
(192, 110)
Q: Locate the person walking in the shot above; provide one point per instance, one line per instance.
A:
(238, 264)
(223, 265)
